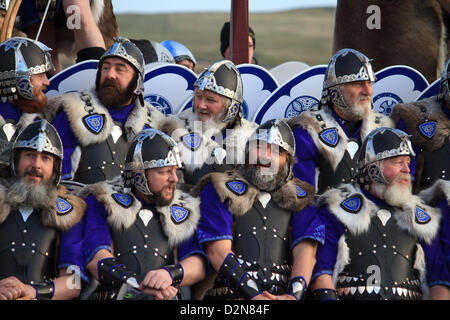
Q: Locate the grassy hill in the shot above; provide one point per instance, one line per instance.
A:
(298, 35)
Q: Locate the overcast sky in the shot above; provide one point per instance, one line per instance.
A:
(175, 6)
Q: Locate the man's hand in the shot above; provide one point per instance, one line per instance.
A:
(156, 279)
(12, 288)
(161, 294)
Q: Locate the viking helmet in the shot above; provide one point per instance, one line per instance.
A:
(127, 50)
(347, 65)
(380, 144)
(150, 149)
(42, 137)
(224, 78)
(20, 58)
(179, 51)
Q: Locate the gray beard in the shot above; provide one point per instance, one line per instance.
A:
(264, 182)
(36, 196)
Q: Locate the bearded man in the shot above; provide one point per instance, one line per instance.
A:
(211, 135)
(97, 126)
(331, 134)
(24, 64)
(140, 232)
(258, 223)
(39, 222)
(380, 238)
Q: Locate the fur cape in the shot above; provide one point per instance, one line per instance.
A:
(435, 193)
(121, 218)
(411, 114)
(309, 122)
(52, 216)
(286, 196)
(360, 222)
(208, 151)
(24, 120)
(75, 107)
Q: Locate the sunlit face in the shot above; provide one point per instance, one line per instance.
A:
(116, 77)
(208, 104)
(396, 170)
(358, 96)
(39, 84)
(35, 167)
(162, 181)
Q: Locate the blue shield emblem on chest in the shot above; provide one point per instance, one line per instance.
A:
(330, 137)
(94, 122)
(422, 216)
(237, 187)
(427, 129)
(62, 206)
(192, 140)
(178, 214)
(352, 204)
(122, 199)
(300, 192)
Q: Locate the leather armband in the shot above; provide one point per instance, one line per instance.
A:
(297, 287)
(112, 274)
(44, 291)
(176, 273)
(236, 278)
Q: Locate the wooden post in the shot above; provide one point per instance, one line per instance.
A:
(239, 31)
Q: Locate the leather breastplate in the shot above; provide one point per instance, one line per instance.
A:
(101, 161)
(142, 247)
(27, 249)
(345, 172)
(436, 165)
(262, 240)
(381, 264)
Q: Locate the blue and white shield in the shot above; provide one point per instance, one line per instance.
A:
(178, 214)
(330, 137)
(427, 129)
(62, 206)
(352, 204)
(237, 187)
(422, 216)
(122, 199)
(192, 140)
(300, 192)
(94, 122)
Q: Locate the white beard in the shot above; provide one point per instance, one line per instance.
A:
(394, 194)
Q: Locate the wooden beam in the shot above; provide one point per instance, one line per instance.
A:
(239, 31)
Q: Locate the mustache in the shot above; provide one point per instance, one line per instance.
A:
(402, 176)
(110, 83)
(34, 172)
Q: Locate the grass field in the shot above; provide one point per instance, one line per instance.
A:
(298, 35)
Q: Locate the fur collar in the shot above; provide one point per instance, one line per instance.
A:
(411, 114)
(63, 212)
(359, 222)
(286, 196)
(119, 218)
(434, 194)
(74, 106)
(309, 122)
(208, 150)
